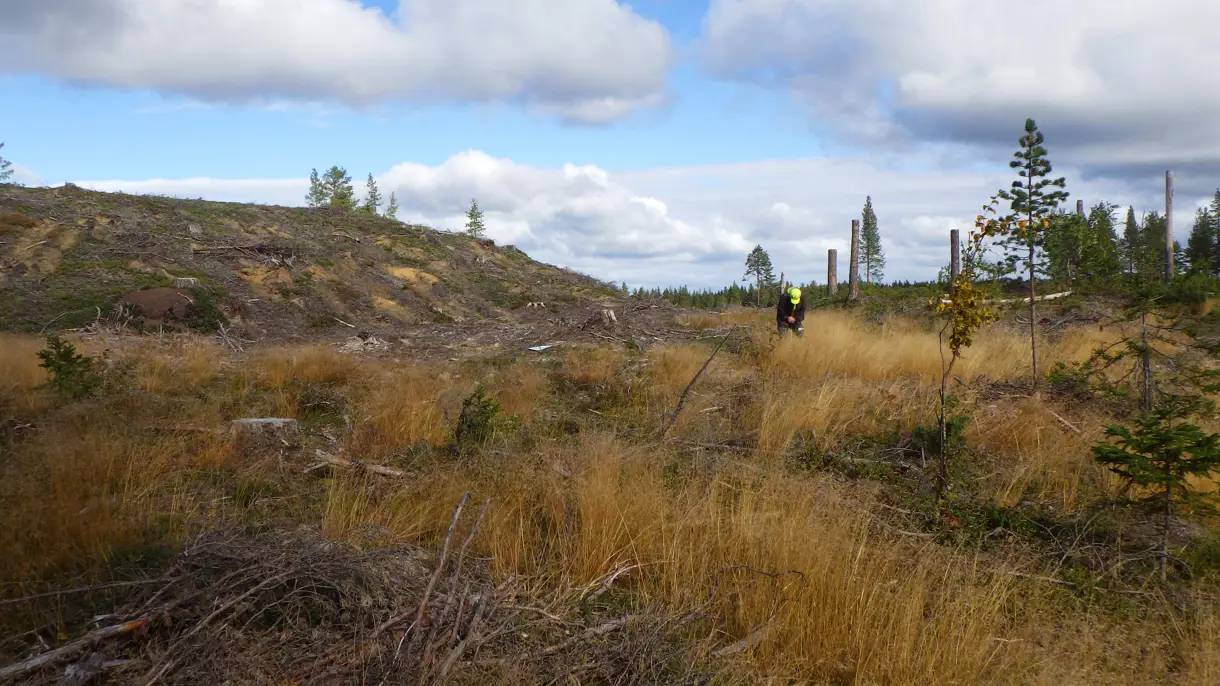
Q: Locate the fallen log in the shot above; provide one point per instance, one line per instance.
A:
(52, 656)
(329, 460)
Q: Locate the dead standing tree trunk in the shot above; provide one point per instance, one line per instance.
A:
(853, 267)
(1169, 269)
(832, 272)
(955, 257)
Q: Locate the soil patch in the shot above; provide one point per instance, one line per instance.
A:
(161, 305)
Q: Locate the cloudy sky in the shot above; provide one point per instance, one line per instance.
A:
(653, 143)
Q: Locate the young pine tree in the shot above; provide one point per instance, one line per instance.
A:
(317, 196)
(391, 210)
(339, 191)
(758, 267)
(1033, 198)
(870, 244)
(372, 197)
(474, 220)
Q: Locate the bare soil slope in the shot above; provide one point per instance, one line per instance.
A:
(281, 272)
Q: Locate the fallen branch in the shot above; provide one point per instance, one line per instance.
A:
(53, 656)
(340, 234)
(333, 461)
(752, 639)
(82, 589)
(440, 565)
(1064, 422)
(350, 326)
(682, 399)
(173, 650)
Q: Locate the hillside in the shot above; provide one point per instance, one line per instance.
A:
(276, 272)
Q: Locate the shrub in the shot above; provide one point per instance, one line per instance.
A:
(204, 314)
(71, 375)
(480, 418)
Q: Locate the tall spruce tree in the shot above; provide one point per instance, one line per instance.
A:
(1033, 198)
(1100, 262)
(339, 191)
(1200, 246)
(871, 252)
(391, 210)
(372, 197)
(1131, 243)
(317, 196)
(758, 267)
(1214, 210)
(1152, 256)
(474, 220)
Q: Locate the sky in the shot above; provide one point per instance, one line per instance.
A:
(653, 143)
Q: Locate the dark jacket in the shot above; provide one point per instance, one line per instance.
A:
(786, 309)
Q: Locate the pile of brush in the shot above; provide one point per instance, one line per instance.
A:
(293, 606)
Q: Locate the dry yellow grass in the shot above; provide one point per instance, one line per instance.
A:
(403, 408)
(19, 372)
(1039, 456)
(184, 365)
(838, 344)
(850, 607)
(856, 607)
(519, 388)
(592, 365)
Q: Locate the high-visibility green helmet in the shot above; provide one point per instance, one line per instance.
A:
(795, 295)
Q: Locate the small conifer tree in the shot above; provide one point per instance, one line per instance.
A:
(372, 197)
(316, 197)
(391, 210)
(338, 188)
(474, 220)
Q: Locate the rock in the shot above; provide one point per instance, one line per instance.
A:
(194, 230)
(186, 282)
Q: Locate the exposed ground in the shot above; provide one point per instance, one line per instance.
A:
(278, 272)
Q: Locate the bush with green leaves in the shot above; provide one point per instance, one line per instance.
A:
(70, 374)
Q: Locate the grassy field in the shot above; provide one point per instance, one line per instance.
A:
(790, 501)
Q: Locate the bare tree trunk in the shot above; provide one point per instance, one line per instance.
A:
(1033, 321)
(758, 290)
(1165, 530)
(853, 268)
(832, 272)
(1145, 364)
(955, 256)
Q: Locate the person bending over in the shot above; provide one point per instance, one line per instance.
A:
(790, 313)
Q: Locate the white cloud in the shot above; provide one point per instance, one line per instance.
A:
(590, 61)
(1119, 86)
(691, 225)
(24, 175)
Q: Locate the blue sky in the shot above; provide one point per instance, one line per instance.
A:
(653, 143)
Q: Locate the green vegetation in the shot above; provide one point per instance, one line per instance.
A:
(871, 252)
(758, 268)
(70, 374)
(474, 220)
